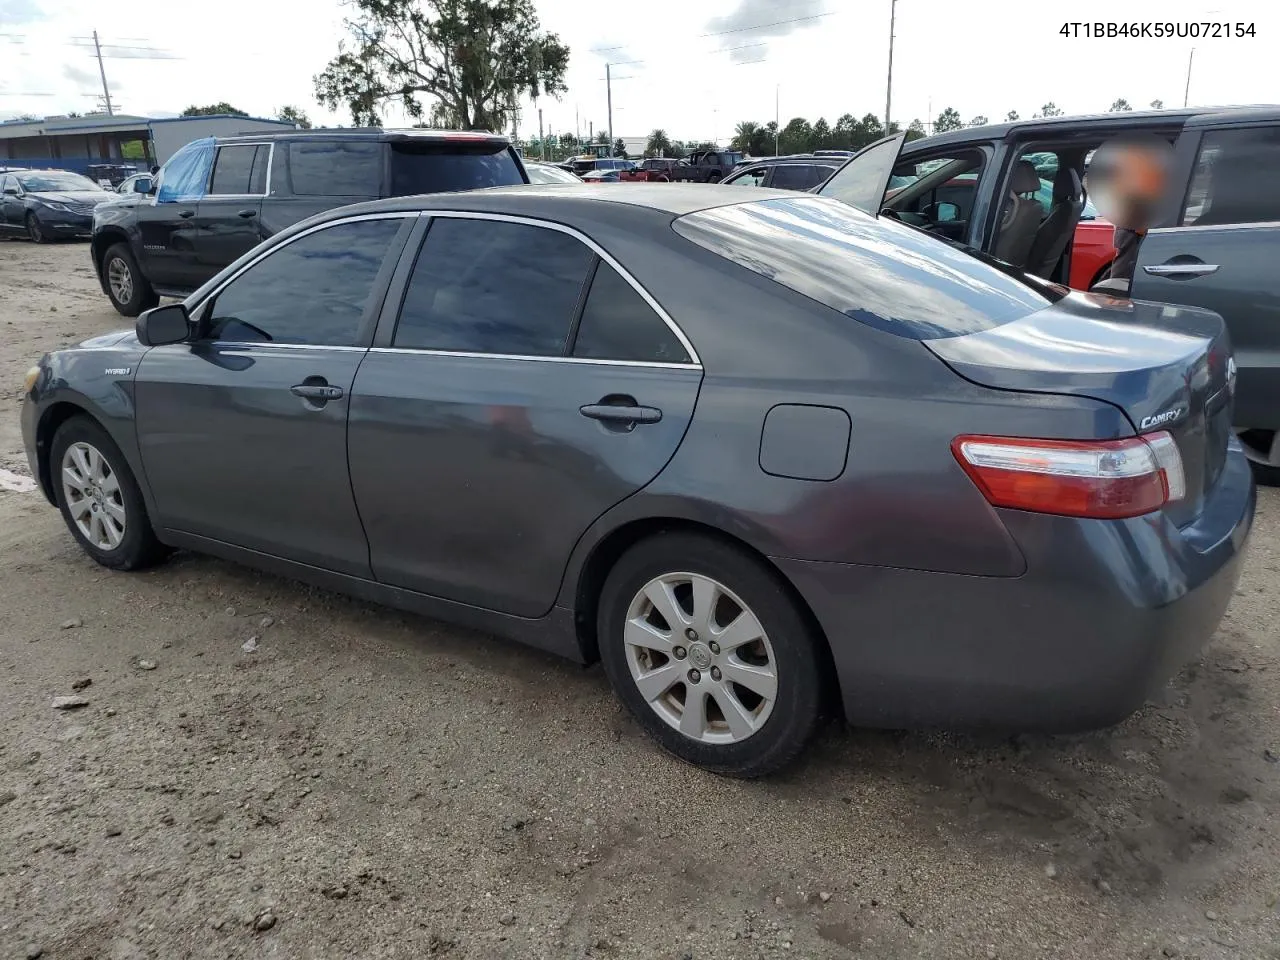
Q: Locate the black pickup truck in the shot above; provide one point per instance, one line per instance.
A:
(217, 198)
(707, 166)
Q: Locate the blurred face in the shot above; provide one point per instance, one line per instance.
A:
(1127, 179)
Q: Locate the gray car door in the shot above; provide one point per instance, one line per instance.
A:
(1220, 250)
(526, 386)
(243, 430)
(227, 215)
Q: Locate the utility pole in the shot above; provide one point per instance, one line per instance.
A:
(542, 140)
(608, 92)
(106, 94)
(777, 116)
(1186, 93)
(888, 86)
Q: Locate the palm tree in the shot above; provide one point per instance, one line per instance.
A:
(743, 135)
(659, 144)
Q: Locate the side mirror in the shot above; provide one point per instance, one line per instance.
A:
(942, 212)
(11, 191)
(143, 185)
(161, 325)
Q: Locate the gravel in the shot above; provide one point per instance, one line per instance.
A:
(169, 817)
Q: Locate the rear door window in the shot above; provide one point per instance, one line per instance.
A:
(335, 168)
(233, 170)
(442, 167)
(798, 176)
(618, 324)
(884, 274)
(494, 287)
(1235, 178)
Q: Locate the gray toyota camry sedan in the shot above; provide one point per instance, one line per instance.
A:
(765, 457)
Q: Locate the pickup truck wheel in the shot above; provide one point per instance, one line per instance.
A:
(128, 289)
(714, 178)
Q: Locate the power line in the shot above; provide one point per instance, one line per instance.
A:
(765, 26)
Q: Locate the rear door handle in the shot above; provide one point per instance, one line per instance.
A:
(316, 391)
(186, 214)
(246, 214)
(621, 413)
(1181, 269)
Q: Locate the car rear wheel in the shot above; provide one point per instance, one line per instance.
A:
(1262, 447)
(709, 652)
(34, 229)
(128, 289)
(714, 178)
(100, 499)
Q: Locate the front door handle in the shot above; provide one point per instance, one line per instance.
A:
(246, 214)
(186, 214)
(1181, 269)
(316, 391)
(621, 413)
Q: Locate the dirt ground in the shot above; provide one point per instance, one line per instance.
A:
(360, 783)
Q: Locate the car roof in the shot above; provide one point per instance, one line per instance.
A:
(1123, 119)
(378, 134)
(564, 202)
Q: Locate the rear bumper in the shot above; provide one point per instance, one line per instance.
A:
(1106, 613)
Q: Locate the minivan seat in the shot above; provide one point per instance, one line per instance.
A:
(1022, 216)
(1059, 227)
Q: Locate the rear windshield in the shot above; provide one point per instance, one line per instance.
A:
(884, 274)
(422, 167)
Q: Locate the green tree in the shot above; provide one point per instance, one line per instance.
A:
(1050, 109)
(1119, 106)
(948, 119)
(476, 58)
(821, 138)
(795, 136)
(1157, 104)
(843, 133)
(620, 148)
(1011, 116)
(659, 144)
(743, 134)
(867, 130)
(213, 109)
(979, 121)
(770, 139)
(915, 130)
(294, 115)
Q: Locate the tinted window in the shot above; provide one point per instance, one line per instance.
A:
(258, 175)
(1235, 178)
(313, 290)
(441, 168)
(884, 274)
(618, 324)
(751, 177)
(798, 176)
(232, 170)
(336, 168)
(861, 182)
(488, 286)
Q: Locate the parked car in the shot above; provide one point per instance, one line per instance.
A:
(613, 175)
(216, 199)
(807, 470)
(802, 172)
(651, 170)
(110, 175)
(138, 183)
(584, 165)
(548, 173)
(707, 166)
(45, 205)
(1213, 245)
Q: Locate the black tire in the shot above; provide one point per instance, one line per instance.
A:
(141, 297)
(34, 231)
(138, 548)
(1255, 441)
(799, 701)
(714, 178)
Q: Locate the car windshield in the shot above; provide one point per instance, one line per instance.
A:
(884, 274)
(59, 181)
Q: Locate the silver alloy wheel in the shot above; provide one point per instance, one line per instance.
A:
(120, 279)
(700, 658)
(93, 495)
(1261, 446)
(33, 228)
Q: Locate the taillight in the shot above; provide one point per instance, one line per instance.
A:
(1104, 479)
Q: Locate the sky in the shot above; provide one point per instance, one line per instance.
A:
(693, 69)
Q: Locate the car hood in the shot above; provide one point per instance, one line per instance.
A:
(113, 339)
(72, 196)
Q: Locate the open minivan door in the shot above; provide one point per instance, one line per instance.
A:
(864, 179)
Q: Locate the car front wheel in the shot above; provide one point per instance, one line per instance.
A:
(128, 289)
(711, 655)
(99, 497)
(35, 230)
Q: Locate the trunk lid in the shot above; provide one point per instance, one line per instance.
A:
(1167, 367)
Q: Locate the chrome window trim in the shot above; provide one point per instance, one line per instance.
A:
(391, 215)
(694, 359)
(472, 355)
(209, 195)
(239, 347)
(1214, 226)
